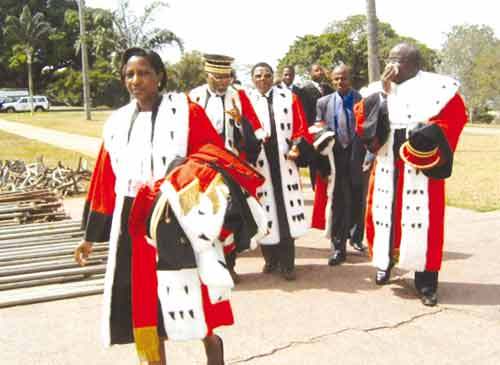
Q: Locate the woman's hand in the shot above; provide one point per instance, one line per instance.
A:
(82, 252)
(293, 154)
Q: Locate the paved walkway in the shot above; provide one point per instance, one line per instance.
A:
(330, 315)
(83, 144)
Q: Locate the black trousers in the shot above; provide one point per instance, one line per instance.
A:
(426, 279)
(282, 254)
(342, 204)
(230, 259)
(359, 187)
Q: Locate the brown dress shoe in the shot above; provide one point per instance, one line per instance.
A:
(214, 349)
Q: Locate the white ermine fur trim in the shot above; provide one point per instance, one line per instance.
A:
(181, 304)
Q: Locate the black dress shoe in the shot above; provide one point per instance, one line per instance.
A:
(336, 258)
(428, 297)
(358, 246)
(269, 268)
(382, 277)
(289, 274)
(234, 275)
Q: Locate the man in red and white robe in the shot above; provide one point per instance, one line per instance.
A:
(232, 116)
(287, 146)
(412, 121)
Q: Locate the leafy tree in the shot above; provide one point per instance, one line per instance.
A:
(471, 53)
(105, 88)
(346, 41)
(186, 74)
(139, 31)
(56, 51)
(27, 30)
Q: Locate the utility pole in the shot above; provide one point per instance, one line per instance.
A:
(85, 62)
(373, 63)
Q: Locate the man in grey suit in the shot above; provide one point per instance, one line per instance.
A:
(336, 111)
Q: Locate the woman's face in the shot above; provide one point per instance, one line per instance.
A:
(142, 81)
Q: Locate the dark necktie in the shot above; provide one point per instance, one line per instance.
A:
(270, 108)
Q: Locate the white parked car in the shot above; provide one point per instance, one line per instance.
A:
(40, 104)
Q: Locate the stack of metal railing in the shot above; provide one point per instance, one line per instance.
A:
(37, 264)
(30, 206)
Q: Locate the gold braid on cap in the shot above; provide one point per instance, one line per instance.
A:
(422, 154)
(218, 69)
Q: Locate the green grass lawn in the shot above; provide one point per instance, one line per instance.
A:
(475, 183)
(64, 121)
(19, 148)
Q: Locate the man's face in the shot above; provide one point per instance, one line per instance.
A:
(341, 80)
(263, 79)
(406, 67)
(218, 83)
(288, 76)
(317, 73)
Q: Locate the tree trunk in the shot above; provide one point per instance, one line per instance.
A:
(373, 63)
(30, 80)
(85, 63)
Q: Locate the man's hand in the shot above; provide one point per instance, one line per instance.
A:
(293, 154)
(390, 72)
(82, 252)
(234, 113)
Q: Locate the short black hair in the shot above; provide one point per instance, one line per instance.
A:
(261, 64)
(152, 57)
(290, 67)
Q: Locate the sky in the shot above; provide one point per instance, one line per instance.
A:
(262, 30)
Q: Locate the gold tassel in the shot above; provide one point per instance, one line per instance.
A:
(147, 343)
(189, 196)
(211, 192)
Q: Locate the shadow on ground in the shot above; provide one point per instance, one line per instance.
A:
(453, 292)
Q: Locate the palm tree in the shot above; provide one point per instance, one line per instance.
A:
(27, 31)
(139, 31)
(373, 63)
(85, 61)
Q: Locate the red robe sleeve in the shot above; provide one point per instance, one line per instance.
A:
(248, 111)
(299, 121)
(100, 202)
(452, 120)
(201, 130)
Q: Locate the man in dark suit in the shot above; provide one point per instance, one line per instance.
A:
(313, 90)
(318, 87)
(287, 78)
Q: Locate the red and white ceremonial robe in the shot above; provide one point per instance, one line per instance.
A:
(178, 261)
(285, 126)
(221, 121)
(137, 149)
(405, 208)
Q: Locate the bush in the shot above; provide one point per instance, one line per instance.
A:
(105, 88)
